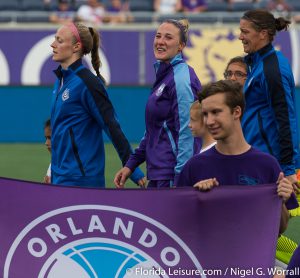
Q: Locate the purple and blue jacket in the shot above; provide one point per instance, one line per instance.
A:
(168, 143)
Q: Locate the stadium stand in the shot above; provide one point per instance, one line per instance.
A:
(218, 11)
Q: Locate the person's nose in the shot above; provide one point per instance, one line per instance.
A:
(232, 77)
(210, 119)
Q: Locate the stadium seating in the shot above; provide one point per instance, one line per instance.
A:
(10, 5)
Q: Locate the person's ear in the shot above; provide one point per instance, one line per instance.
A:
(77, 47)
(264, 34)
(181, 46)
(237, 112)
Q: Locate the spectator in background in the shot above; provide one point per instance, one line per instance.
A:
(167, 6)
(280, 7)
(118, 11)
(63, 13)
(168, 142)
(193, 6)
(269, 122)
(47, 133)
(81, 111)
(92, 12)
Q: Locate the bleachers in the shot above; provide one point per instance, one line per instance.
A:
(142, 11)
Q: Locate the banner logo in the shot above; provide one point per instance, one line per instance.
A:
(98, 241)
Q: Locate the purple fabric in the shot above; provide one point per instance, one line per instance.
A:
(250, 168)
(168, 142)
(46, 227)
(124, 65)
(192, 4)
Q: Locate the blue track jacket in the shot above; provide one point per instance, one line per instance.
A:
(269, 121)
(81, 110)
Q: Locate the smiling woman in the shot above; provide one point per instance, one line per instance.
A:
(168, 142)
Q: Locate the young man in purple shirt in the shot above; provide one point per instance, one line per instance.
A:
(232, 161)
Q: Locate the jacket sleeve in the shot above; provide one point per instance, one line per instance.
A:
(280, 87)
(183, 98)
(138, 156)
(100, 104)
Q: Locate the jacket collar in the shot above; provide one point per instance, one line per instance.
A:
(252, 58)
(160, 66)
(60, 72)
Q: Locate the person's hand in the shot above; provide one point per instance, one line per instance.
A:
(142, 182)
(294, 181)
(47, 179)
(284, 187)
(122, 176)
(205, 185)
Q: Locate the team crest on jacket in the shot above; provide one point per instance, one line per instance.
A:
(159, 91)
(65, 94)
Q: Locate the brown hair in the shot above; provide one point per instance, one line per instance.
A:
(183, 26)
(232, 90)
(264, 20)
(90, 40)
(237, 59)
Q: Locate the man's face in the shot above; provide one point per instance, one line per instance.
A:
(218, 117)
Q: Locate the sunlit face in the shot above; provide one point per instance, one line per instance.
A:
(167, 43)
(47, 132)
(252, 40)
(196, 124)
(218, 117)
(236, 72)
(64, 50)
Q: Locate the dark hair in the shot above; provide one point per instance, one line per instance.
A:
(90, 40)
(264, 20)
(47, 124)
(237, 59)
(183, 26)
(232, 90)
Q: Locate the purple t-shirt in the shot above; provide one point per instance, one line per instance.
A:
(250, 168)
(192, 4)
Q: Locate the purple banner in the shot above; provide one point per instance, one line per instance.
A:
(50, 231)
(127, 56)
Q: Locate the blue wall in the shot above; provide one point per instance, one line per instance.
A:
(23, 111)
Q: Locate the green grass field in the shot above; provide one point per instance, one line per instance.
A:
(30, 162)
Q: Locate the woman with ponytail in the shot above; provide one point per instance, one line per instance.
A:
(81, 111)
(269, 121)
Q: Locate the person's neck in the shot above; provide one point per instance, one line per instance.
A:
(207, 140)
(233, 145)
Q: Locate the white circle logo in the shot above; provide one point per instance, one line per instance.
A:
(98, 241)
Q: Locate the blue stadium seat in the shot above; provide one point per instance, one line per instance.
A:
(141, 5)
(9, 5)
(33, 5)
(295, 4)
(216, 6)
(241, 6)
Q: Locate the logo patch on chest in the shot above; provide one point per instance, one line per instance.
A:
(65, 95)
